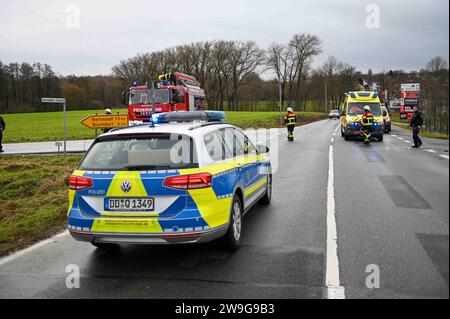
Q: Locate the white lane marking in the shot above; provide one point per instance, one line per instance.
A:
(40, 244)
(332, 281)
(427, 150)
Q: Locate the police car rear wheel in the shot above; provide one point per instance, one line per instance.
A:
(232, 239)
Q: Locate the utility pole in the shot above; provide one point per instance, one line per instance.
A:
(326, 95)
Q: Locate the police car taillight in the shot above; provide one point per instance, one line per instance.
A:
(77, 183)
(196, 181)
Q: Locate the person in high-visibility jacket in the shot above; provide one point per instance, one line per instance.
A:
(366, 123)
(290, 119)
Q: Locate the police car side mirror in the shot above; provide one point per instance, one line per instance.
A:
(262, 149)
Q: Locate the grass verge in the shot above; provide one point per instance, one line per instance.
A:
(255, 120)
(33, 198)
(425, 133)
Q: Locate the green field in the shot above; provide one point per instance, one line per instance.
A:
(424, 133)
(39, 127)
(33, 198)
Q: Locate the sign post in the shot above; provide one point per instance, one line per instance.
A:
(62, 101)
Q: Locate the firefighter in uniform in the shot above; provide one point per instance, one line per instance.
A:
(290, 119)
(366, 123)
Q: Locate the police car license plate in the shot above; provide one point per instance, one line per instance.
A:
(123, 204)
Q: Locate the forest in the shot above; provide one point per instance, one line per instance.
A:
(236, 75)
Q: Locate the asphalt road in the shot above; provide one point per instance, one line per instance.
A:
(391, 209)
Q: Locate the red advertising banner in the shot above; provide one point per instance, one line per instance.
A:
(410, 95)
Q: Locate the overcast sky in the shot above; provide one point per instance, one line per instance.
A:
(410, 32)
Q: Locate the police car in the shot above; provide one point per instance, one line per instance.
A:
(188, 177)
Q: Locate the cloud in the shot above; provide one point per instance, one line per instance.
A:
(411, 31)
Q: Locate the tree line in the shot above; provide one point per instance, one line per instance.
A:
(230, 71)
(236, 75)
(22, 85)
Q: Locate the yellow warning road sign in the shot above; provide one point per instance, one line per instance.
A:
(105, 121)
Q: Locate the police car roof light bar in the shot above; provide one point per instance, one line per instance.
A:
(206, 116)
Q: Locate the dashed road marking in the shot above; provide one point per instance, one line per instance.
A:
(427, 150)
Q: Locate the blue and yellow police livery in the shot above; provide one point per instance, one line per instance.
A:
(168, 183)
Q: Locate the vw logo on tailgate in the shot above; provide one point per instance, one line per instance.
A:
(126, 186)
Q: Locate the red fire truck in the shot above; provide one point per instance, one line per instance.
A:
(172, 92)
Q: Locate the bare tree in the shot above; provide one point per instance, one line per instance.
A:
(280, 59)
(306, 46)
(244, 59)
(436, 65)
(434, 80)
(340, 78)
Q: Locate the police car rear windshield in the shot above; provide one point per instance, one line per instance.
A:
(141, 153)
(358, 108)
(143, 97)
